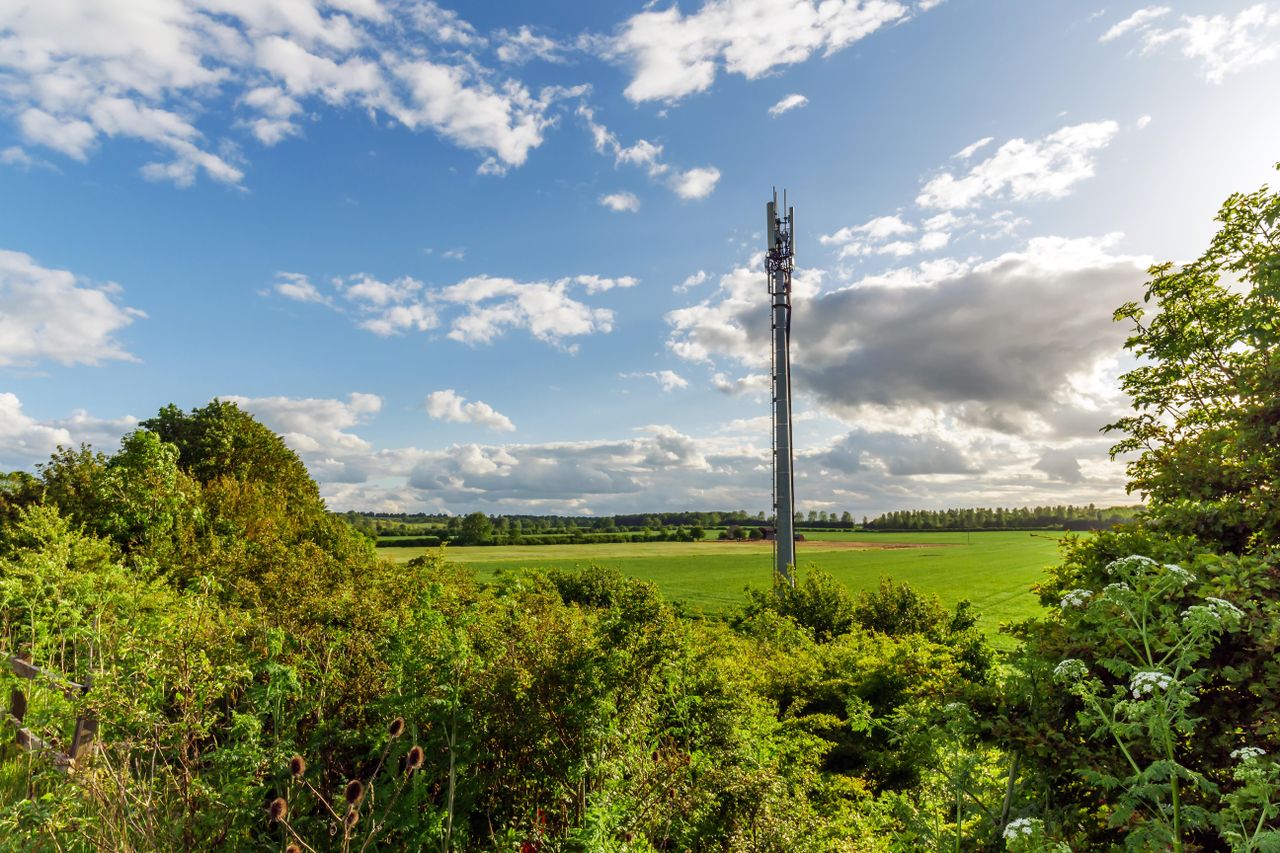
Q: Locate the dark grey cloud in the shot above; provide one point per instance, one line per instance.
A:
(900, 455)
(1061, 465)
(998, 339)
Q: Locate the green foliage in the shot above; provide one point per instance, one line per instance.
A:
(817, 603)
(476, 529)
(1207, 392)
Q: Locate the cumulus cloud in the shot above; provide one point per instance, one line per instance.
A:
(884, 235)
(668, 379)
(315, 426)
(1006, 344)
(621, 202)
(672, 55)
(524, 45)
(53, 315)
(479, 309)
(695, 183)
(546, 309)
(1022, 170)
(448, 405)
(80, 72)
(790, 102)
(1222, 44)
(22, 439)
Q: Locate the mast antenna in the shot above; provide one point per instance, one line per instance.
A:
(779, 259)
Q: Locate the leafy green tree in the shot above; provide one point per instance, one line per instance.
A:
(476, 529)
(1207, 392)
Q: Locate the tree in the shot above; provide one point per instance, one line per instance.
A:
(1207, 394)
(476, 529)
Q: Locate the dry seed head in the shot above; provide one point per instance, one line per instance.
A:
(351, 819)
(279, 809)
(354, 792)
(414, 759)
(292, 847)
(396, 728)
(297, 766)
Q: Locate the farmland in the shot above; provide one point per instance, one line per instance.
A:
(994, 570)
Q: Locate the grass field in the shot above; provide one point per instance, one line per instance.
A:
(993, 569)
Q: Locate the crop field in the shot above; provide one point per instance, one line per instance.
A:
(994, 570)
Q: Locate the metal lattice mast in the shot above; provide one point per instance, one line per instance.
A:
(779, 259)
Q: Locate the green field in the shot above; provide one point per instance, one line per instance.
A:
(993, 569)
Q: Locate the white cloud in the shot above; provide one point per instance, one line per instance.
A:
(22, 439)
(1142, 122)
(855, 240)
(691, 281)
(447, 405)
(1137, 20)
(298, 287)
(672, 55)
(621, 201)
(969, 150)
(315, 427)
(668, 379)
(690, 184)
(79, 72)
(875, 237)
(524, 45)
(481, 308)
(1223, 44)
(454, 254)
(545, 309)
(695, 183)
(1022, 170)
(790, 102)
(51, 315)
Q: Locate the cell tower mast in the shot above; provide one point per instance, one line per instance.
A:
(779, 258)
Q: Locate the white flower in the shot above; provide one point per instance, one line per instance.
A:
(1070, 670)
(1131, 564)
(1223, 607)
(1143, 684)
(1247, 753)
(1179, 574)
(1214, 613)
(1076, 598)
(1114, 590)
(1023, 827)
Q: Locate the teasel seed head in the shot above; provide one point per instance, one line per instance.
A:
(279, 809)
(396, 728)
(297, 766)
(413, 760)
(354, 792)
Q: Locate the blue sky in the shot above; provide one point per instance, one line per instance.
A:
(506, 256)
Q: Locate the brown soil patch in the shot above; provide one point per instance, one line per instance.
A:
(830, 545)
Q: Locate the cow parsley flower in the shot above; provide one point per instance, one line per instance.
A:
(1143, 684)
(1133, 564)
(1115, 590)
(1076, 598)
(1023, 827)
(1070, 670)
(1246, 754)
(1214, 614)
(1181, 575)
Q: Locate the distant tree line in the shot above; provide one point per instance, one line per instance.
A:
(1005, 518)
